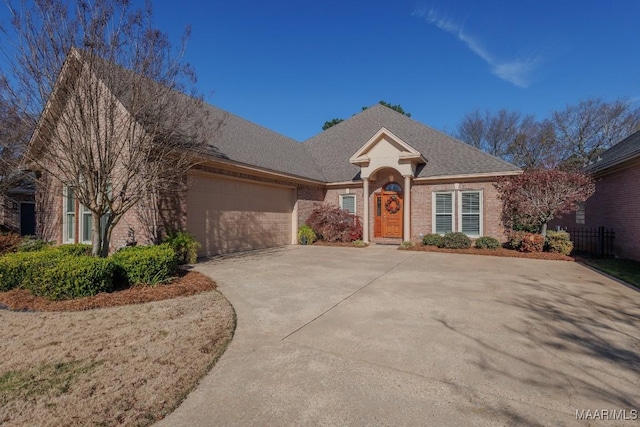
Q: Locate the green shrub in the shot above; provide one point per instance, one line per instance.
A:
(306, 235)
(532, 242)
(432, 240)
(78, 249)
(359, 243)
(21, 268)
(9, 242)
(73, 277)
(184, 245)
(486, 242)
(407, 244)
(32, 244)
(455, 240)
(559, 242)
(146, 265)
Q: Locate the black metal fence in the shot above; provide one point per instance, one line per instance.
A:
(594, 241)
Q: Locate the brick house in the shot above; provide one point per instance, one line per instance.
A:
(402, 178)
(17, 206)
(616, 201)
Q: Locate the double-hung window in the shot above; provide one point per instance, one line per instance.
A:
(471, 213)
(86, 229)
(348, 203)
(443, 212)
(69, 221)
(457, 211)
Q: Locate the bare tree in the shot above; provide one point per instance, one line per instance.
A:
(491, 132)
(584, 130)
(15, 129)
(534, 145)
(115, 124)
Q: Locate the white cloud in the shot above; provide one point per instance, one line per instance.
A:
(515, 71)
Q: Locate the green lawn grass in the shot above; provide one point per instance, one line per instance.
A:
(623, 269)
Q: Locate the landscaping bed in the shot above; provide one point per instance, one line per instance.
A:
(126, 365)
(341, 244)
(188, 283)
(501, 252)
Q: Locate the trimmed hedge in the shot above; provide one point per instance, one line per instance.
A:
(73, 277)
(487, 242)
(78, 249)
(20, 269)
(455, 240)
(146, 265)
(559, 242)
(432, 240)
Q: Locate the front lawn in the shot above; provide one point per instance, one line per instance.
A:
(124, 365)
(623, 269)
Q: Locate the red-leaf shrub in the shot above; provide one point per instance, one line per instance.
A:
(332, 224)
(9, 242)
(532, 242)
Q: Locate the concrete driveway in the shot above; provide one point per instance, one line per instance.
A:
(377, 336)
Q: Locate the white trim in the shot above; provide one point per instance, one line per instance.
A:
(360, 156)
(81, 214)
(466, 176)
(480, 214)
(65, 216)
(433, 210)
(355, 206)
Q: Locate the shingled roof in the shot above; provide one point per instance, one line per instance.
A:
(324, 157)
(446, 156)
(229, 137)
(624, 150)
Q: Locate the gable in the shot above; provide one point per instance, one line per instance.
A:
(384, 149)
(333, 149)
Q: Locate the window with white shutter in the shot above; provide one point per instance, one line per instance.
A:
(348, 203)
(471, 213)
(443, 212)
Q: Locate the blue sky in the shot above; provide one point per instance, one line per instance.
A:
(289, 65)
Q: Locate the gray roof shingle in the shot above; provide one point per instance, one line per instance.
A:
(324, 157)
(445, 155)
(626, 149)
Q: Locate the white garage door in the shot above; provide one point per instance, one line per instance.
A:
(230, 216)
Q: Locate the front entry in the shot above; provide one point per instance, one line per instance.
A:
(388, 214)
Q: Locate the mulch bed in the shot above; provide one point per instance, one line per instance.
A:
(342, 244)
(501, 252)
(188, 283)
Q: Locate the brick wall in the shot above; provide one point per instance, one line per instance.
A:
(422, 214)
(308, 197)
(616, 205)
(421, 202)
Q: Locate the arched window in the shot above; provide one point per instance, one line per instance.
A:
(393, 186)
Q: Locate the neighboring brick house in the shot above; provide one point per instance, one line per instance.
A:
(259, 186)
(616, 201)
(17, 206)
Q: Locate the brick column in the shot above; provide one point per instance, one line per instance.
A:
(365, 211)
(406, 232)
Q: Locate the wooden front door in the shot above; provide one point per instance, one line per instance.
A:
(388, 208)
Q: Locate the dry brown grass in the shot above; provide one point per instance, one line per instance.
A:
(126, 365)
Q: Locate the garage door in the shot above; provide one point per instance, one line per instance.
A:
(230, 216)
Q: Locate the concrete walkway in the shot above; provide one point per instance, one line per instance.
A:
(377, 336)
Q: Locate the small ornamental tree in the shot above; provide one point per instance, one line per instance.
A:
(535, 197)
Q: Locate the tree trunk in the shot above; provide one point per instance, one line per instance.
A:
(96, 235)
(543, 230)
